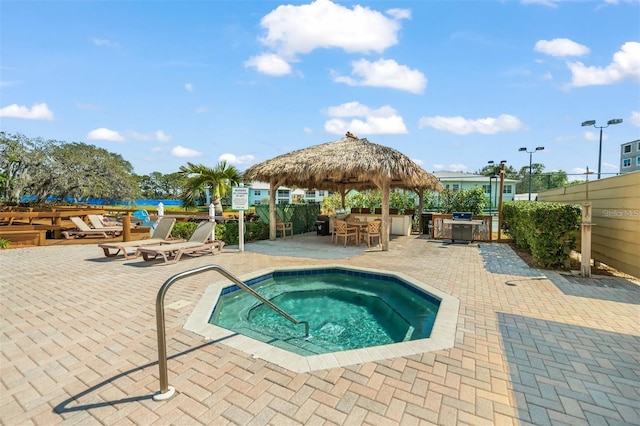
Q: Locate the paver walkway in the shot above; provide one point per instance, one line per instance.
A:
(78, 346)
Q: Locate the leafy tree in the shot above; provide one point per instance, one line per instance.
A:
(540, 181)
(158, 185)
(464, 200)
(19, 157)
(54, 168)
(492, 169)
(219, 180)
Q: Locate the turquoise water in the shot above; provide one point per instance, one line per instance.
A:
(344, 311)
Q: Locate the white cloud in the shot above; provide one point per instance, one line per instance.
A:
(450, 167)
(463, 126)
(418, 162)
(595, 136)
(548, 3)
(104, 42)
(625, 65)
(188, 87)
(635, 118)
(202, 109)
(182, 152)
(323, 24)
(104, 134)
(609, 166)
(307, 130)
(385, 73)
(9, 83)
(162, 136)
(561, 47)
(158, 135)
(37, 112)
(270, 64)
(237, 159)
(383, 120)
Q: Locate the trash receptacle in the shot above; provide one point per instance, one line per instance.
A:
(427, 218)
(322, 225)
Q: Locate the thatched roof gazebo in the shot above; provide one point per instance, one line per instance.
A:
(343, 165)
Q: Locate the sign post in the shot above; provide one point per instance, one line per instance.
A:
(240, 201)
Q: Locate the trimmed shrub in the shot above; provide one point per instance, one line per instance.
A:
(546, 230)
(227, 232)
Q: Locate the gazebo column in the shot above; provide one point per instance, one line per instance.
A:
(385, 231)
(274, 184)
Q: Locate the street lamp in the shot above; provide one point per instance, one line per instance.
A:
(593, 123)
(495, 175)
(538, 148)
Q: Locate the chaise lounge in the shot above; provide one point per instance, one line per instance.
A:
(84, 230)
(199, 242)
(160, 235)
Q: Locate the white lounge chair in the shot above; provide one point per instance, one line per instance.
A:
(84, 230)
(98, 221)
(199, 242)
(160, 235)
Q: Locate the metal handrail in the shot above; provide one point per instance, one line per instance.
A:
(167, 391)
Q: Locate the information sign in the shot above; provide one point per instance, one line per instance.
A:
(240, 198)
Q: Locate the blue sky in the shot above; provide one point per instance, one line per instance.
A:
(451, 84)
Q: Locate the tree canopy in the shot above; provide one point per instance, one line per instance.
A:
(50, 168)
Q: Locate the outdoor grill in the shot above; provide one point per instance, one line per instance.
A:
(462, 224)
(322, 225)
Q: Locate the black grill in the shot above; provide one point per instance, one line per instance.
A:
(322, 225)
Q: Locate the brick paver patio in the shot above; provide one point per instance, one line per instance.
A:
(78, 346)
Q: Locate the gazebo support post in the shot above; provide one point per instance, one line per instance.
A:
(274, 184)
(384, 231)
(420, 192)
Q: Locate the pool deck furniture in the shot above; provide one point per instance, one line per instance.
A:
(84, 230)
(99, 221)
(371, 231)
(199, 242)
(160, 235)
(344, 230)
(283, 227)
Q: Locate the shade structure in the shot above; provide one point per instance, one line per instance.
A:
(342, 165)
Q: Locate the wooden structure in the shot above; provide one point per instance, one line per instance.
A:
(347, 164)
(615, 218)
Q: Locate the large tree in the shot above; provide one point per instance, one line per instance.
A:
(19, 158)
(201, 178)
(62, 170)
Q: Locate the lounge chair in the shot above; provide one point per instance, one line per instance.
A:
(200, 241)
(160, 235)
(98, 221)
(84, 230)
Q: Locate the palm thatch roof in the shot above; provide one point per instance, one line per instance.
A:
(348, 163)
(342, 165)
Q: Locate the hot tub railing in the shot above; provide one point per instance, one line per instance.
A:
(167, 391)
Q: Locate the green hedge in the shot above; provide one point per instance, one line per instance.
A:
(546, 230)
(227, 232)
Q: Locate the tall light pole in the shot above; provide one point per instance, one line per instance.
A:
(538, 148)
(593, 123)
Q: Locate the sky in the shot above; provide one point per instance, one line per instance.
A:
(450, 84)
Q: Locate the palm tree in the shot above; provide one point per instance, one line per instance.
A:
(200, 177)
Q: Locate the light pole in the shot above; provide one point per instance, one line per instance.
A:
(538, 148)
(593, 123)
